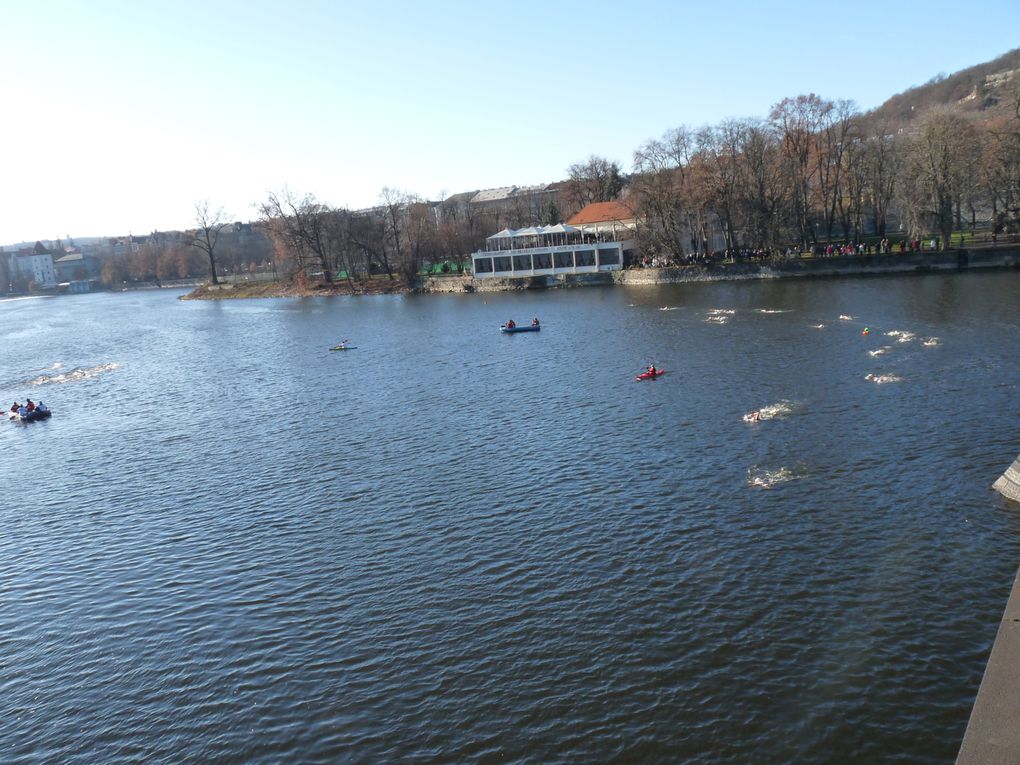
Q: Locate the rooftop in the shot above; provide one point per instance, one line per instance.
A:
(602, 212)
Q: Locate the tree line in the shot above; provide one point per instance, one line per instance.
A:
(812, 171)
(818, 170)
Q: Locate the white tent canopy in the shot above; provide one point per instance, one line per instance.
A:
(559, 228)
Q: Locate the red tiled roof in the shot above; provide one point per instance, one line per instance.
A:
(602, 212)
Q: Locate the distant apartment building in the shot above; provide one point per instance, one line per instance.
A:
(505, 206)
(31, 267)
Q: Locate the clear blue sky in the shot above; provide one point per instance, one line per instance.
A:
(116, 117)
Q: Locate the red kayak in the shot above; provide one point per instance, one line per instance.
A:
(650, 376)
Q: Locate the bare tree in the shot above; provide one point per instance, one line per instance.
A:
(939, 169)
(114, 270)
(319, 238)
(210, 224)
(368, 238)
(394, 215)
(142, 263)
(852, 191)
(662, 193)
(882, 166)
(596, 180)
(764, 196)
(798, 121)
(836, 129)
(1000, 168)
(720, 149)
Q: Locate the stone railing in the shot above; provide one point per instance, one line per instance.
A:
(1008, 484)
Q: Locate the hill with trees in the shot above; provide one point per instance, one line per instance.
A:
(984, 92)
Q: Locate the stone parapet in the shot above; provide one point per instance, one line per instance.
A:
(1008, 484)
(993, 735)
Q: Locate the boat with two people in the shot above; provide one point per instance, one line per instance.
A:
(511, 326)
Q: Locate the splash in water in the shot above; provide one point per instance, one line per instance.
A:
(882, 379)
(817, 326)
(771, 310)
(930, 342)
(770, 412)
(844, 317)
(901, 335)
(669, 308)
(75, 375)
(880, 351)
(760, 478)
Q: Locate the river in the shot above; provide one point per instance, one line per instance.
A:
(232, 545)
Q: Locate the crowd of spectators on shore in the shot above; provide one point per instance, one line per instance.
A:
(883, 247)
(742, 255)
(765, 254)
(687, 259)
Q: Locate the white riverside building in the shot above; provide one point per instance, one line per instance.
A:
(547, 250)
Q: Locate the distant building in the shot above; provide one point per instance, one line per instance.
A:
(547, 251)
(35, 267)
(76, 266)
(505, 206)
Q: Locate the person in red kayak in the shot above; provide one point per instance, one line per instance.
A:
(652, 371)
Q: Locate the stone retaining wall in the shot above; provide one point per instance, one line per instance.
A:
(851, 265)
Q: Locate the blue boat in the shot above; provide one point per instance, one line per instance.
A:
(33, 416)
(525, 328)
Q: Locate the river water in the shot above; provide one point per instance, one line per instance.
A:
(232, 545)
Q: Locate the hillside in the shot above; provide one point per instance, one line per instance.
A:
(984, 91)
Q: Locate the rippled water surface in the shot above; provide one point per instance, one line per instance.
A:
(232, 545)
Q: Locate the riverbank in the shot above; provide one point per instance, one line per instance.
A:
(262, 289)
(850, 265)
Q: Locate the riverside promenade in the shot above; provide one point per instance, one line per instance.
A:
(848, 265)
